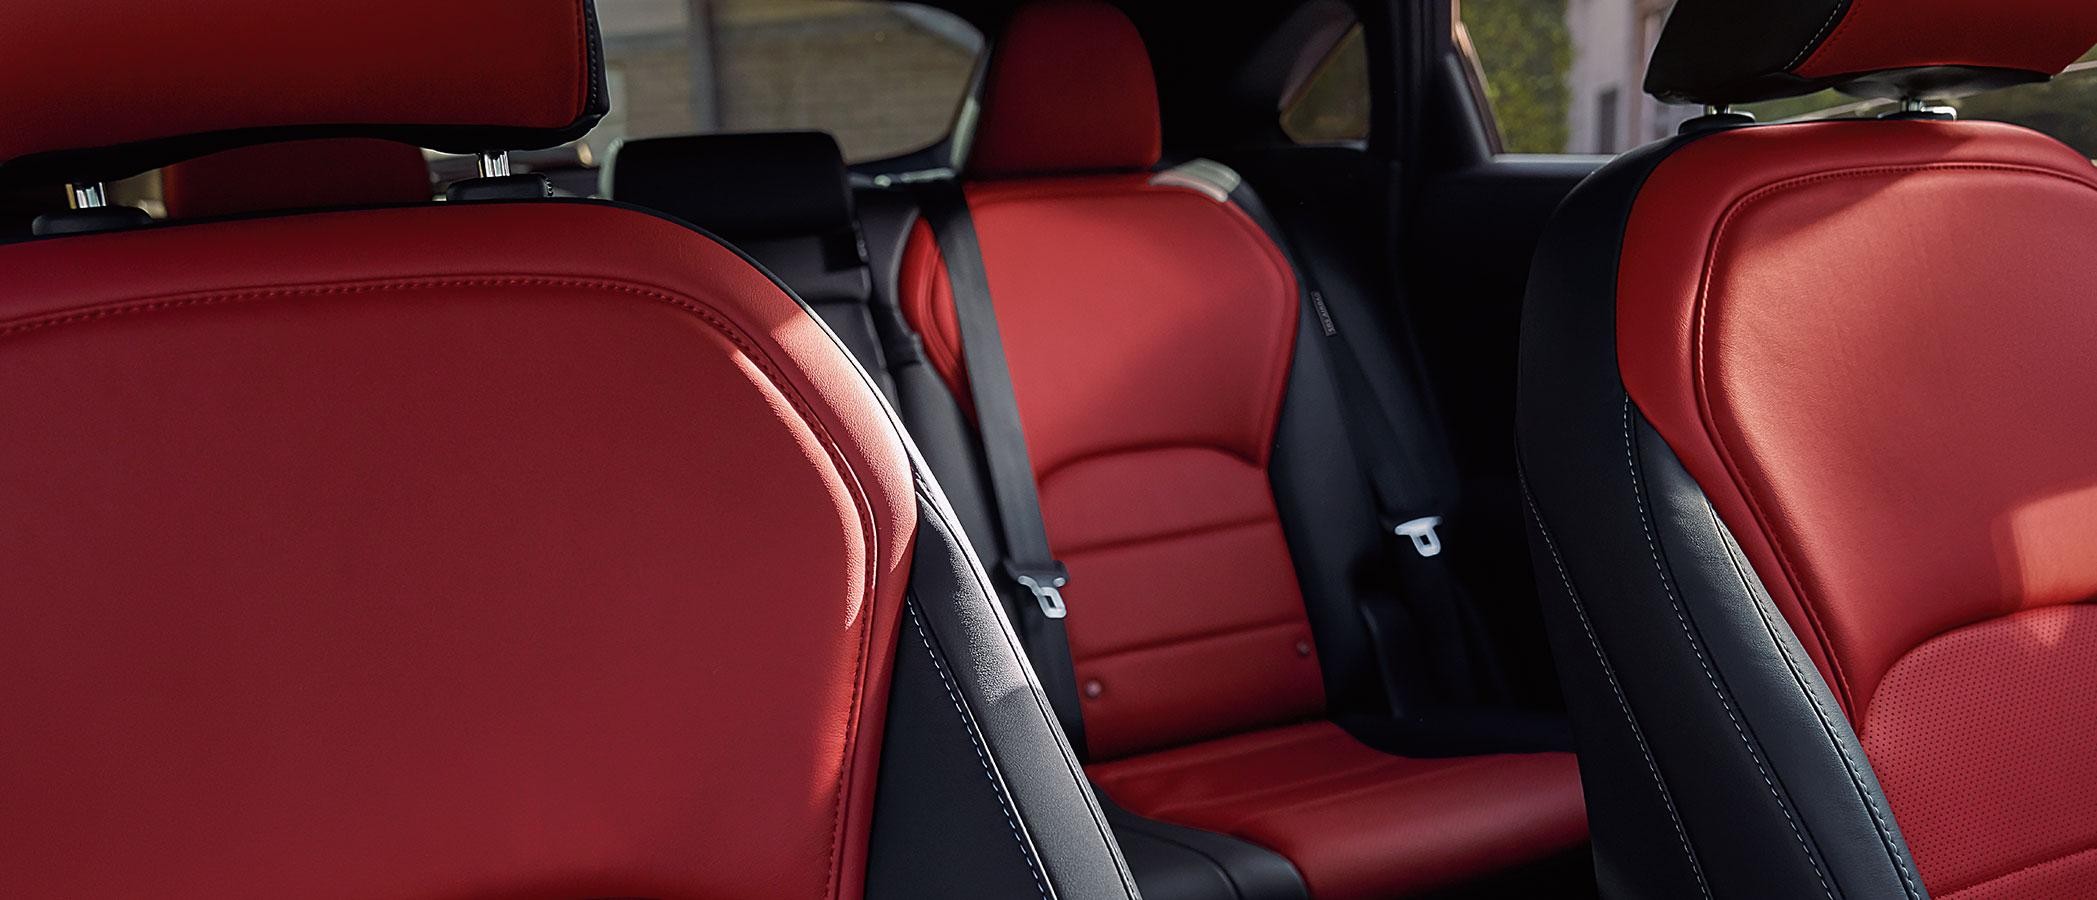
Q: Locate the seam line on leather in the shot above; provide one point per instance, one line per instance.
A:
(1708, 418)
(1616, 687)
(1638, 494)
(930, 499)
(997, 789)
(1813, 43)
(721, 325)
(1879, 817)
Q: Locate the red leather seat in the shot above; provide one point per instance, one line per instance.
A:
(517, 548)
(1150, 330)
(1806, 417)
(296, 175)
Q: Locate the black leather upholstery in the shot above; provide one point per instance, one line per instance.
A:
(1716, 762)
(973, 754)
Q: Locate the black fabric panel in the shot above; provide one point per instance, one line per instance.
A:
(741, 186)
(1715, 763)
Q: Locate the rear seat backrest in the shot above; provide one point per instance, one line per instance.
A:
(1150, 332)
(314, 174)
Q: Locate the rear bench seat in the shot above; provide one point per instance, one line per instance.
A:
(1155, 336)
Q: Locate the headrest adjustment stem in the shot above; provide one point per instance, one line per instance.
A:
(495, 165)
(1919, 108)
(88, 195)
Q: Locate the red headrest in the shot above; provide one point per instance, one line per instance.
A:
(1737, 51)
(98, 89)
(296, 175)
(1070, 90)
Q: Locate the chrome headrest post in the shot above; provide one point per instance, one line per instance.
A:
(495, 165)
(1922, 108)
(88, 196)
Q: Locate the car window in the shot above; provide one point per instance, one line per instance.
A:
(1333, 105)
(1567, 76)
(885, 78)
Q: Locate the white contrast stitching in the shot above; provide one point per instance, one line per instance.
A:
(1900, 863)
(1814, 43)
(1026, 852)
(1609, 673)
(1682, 618)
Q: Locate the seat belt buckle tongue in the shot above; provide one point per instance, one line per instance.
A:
(1045, 584)
(1425, 534)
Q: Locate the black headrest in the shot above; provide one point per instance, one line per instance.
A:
(742, 187)
(1739, 51)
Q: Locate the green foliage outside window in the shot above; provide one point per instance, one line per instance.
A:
(1526, 52)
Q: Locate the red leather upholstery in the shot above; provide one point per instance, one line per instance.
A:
(1358, 822)
(1876, 35)
(1892, 416)
(458, 73)
(1149, 384)
(296, 175)
(404, 553)
(1059, 95)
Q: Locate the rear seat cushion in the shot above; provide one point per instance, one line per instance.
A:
(313, 174)
(1149, 331)
(1358, 822)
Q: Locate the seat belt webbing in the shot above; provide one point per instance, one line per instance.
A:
(1029, 563)
(1409, 486)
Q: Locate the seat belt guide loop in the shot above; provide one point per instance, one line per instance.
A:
(1046, 585)
(1424, 533)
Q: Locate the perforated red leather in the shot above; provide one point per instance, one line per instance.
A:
(1357, 822)
(463, 551)
(1868, 343)
(1149, 332)
(1877, 35)
(296, 175)
(1069, 90)
(163, 70)
(1986, 799)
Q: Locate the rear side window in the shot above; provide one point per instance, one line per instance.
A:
(1567, 76)
(885, 78)
(1332, 107)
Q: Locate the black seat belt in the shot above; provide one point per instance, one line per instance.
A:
(1029, 563)
(1408, 484)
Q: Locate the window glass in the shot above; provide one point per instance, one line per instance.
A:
(1333, 105)
(885, 78)
(1567, 76)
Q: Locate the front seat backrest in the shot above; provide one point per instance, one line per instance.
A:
(1806, 413)
(517, 547)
